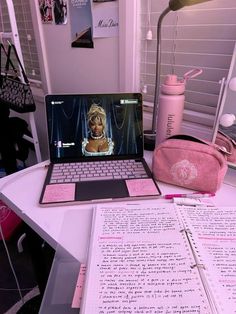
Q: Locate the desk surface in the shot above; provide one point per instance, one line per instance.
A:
(21, 191)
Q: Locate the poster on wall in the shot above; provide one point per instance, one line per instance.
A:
(60, 11)
(81, 23)
(45, 9)
(105, 21)
(53, 11)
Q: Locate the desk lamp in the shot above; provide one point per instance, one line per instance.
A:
(174, 5)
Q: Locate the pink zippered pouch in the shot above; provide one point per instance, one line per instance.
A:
(189, 162)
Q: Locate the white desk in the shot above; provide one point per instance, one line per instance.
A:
(67, 228)
(21, 191)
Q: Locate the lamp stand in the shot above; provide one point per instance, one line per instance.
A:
(150, 135)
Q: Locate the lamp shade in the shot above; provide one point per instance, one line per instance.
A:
(175, 5)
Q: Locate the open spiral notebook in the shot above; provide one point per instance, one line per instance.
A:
(153, 257)
(77, 174)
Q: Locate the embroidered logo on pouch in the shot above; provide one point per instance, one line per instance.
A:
(183, 172)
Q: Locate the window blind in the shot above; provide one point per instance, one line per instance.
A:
(199, 36)
(26, 35)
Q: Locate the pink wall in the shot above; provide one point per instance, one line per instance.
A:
(79, 70)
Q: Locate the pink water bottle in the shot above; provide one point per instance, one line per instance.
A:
(171, 105)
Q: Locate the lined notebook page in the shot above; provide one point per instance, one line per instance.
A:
(140, 262)
(214, 237)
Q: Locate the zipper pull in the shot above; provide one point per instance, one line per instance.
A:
(223, 150)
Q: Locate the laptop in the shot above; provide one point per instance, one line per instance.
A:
(96, 149)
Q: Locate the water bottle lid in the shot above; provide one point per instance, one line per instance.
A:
(171, 79)
(172, 86)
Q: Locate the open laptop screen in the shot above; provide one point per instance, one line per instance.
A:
(94, 126)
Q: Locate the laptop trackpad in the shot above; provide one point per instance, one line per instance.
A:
(93, 190)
